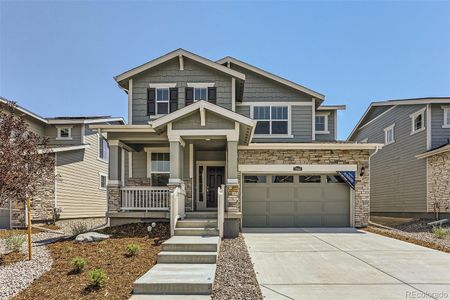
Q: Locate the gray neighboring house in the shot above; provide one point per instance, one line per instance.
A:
(81, 169)
(410, 175)
(195, 124)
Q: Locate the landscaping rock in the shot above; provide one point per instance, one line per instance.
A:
(91, 237)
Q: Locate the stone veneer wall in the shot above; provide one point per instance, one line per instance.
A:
(438, 182)
(358, 157)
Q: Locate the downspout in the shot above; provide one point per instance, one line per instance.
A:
(370, 168)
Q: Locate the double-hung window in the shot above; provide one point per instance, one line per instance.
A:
(446, 116)
(321, 123)
(271, 120)
(162, 101)
(417, 121)
(160, 169)
(200, 93)
(103, 150)
(389, 135)
(103, 181)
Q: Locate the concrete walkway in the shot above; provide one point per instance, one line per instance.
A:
(345, 264)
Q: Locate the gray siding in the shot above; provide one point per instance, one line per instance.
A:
(397, 178)
(439, 136)
(212, 121)
(51, 134)
(140, 164)
(331, 129)
(375, 112)
(243, 110)
(36, 126)
(169, 72)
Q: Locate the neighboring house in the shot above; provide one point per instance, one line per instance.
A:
(411, 174)
(81, 170)
(197, 124)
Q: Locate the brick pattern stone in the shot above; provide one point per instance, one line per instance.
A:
(139, 181)
(188, 202)
(113, 198)
(232, 194)
(358, 157)
(438, 196)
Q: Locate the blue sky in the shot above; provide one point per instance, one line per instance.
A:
(58, 58)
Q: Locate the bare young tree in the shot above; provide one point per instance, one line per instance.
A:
(25, 160)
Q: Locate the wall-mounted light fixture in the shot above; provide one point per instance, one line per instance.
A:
(362, 172)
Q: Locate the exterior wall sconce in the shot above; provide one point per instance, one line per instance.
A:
(362, 172)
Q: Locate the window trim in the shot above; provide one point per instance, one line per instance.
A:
(100, 174)
(157, 86)
(200, 85)
(326, 129)
(446, 110)
(393, 134)
(99, 140)
(413, 117)
(58, 133)
(270, 135)
(364, 141)
(151, 150)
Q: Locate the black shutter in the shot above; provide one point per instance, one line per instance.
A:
(173, 93)
(212, 95)
(151, 96)
(189, 96)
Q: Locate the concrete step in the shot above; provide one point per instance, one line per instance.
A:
(192, 244)
(197, 223)
(170, 297)
(196, 231)
(201, 215)
(179, 257)
(177, 279)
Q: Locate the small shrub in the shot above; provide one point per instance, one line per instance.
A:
(132, 249)
(440, 232)
(78, 264)
(78, 227)
(97, 277)
(14, 242)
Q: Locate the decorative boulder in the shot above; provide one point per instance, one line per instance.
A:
(91, 237)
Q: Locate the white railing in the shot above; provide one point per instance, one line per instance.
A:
(220, 208)
(177, 207)
(146, 198)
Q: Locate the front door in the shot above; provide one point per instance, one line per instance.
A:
(214, 179)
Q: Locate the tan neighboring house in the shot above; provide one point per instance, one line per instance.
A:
(81, 169)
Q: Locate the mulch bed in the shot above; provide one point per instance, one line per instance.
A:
(235, 277)
(10, 258)
(405, 238)
(110, 255)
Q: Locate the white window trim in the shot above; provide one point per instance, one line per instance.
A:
(322, 114)
(364, 141)
(161, 86)
(151, 150)
(280, 136)
(413, 116)
(100, 174)
(58, 133)
(200, 85)
(446, 113)
(99, 135)
(393, 134)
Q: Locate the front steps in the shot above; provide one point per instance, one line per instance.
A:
(187, 263)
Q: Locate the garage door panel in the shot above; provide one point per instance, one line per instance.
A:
(340, 220)
(281, 221)
(285, 192)
(309, 207)
(254, 208)
(255, 193)
(309, 192)
(254, 221)
(336, 207)
(308, 220)
(336, 192)
(281, 207)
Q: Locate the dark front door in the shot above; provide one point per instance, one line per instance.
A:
(214, 178)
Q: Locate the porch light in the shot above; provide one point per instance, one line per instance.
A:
(363, 171)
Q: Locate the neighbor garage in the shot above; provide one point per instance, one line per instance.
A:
(284, 200)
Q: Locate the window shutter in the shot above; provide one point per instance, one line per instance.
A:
(151, 96)
(173, 99)
(189, 96)
(212, 95)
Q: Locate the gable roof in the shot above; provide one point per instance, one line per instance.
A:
(412, 101)
(25, 111)
(271, 76)
(174, 54)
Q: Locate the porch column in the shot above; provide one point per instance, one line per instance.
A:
(232, 177)
(114, 175)
(176, 163)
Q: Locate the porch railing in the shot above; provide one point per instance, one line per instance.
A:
(177, 208)
(220, 208)
(145, 198)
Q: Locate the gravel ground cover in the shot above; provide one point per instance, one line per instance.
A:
(417, 232)
(235, 277)
(16, 276)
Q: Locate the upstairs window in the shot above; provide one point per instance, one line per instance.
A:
(64, 133)
(200, 93)
(271, 120)
(446, 116)
(162, 101)
(389, 135)
(103, 149)
(322, 123)
(418, 121)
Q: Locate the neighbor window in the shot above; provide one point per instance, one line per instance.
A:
(103, 181)
(200, 93)
(418, 121)
(255, 179)
(282, 179)
(271, 119)
(160, 169)
(446, 116)
(309, 179)
(162, 101)
(64, 133)
(389, 134)
(335, 179)
(321, 123)
(103, 150)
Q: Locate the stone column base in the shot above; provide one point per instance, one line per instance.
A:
(232, 194)
(114, 198)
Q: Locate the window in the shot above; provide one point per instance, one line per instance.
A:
(103, 149)
(64, 133)
(103, 181)
(417, 121)
(271, 120)
(309, 179)
(255, 179)
(389, 135)
(162, 101)
(364, 141)
(446, 116)
(160, 169)
(200, 93)
(282, 179)
(322, 123)
(335, 179)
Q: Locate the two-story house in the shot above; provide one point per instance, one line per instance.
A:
(197, 124)
(77, 189)
(410, 176)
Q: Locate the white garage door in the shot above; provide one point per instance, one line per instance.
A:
(295, 201)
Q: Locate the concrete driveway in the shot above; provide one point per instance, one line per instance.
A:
(345, 264)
